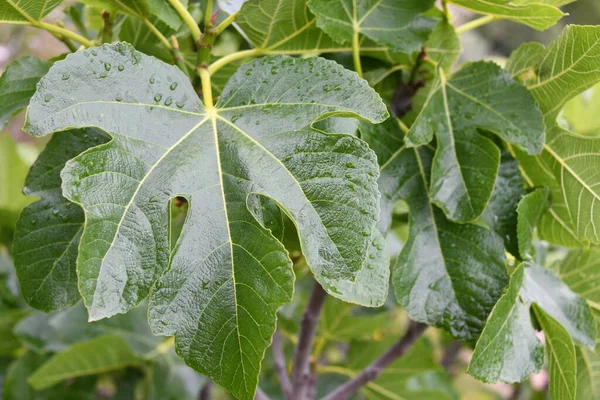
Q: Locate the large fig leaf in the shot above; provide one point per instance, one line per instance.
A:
(26, 10)
(227, 275)
(479, 96)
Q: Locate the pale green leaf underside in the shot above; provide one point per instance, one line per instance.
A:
(391, 23)
(508, 349)
(227, 274)
(580, 270)
(95, 356)
(536, 14)
(479, 96)
(26, 10)
(569, 164)
(561, 357)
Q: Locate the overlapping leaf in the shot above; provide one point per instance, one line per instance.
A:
(227, 274)
(508, 349)
(448, 274)
(48, 231)
(26, 10)
(479, 96)
(530, 210)
(391, 23)
(580, 270)
(561, 357)
(17, 85)
(536, 14)
(569, 164)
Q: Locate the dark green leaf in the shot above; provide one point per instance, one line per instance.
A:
(530, 210)
(479, 96)
(561, 357)
(8, 341)
(221, 291)
(48, 231)
(508, 349)
(535, 14)
(396, 25)
(501, 212)
(95, 356)
(17, 85)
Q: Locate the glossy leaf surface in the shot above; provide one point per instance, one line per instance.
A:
(221, 291)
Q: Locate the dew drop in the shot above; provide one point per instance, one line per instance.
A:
(180, 104)
(173, 86)
(168, 101)
(66, 77)
(94, 53)
(257, 123)
(102, 75)
(118, 98)
(249, 72)
(274, 70)
(120, 68)
(152, 80)
(157, 97)
(107, 66)
(350, 165)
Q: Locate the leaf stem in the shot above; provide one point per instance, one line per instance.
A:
(356, 53)
(157, 33)
(206, 87)
(107, 28)
(208, 14)
(226, 22)
(476, 23)
(280, 366)
(372, 372)
(57, 30)
(301, 372)
(187, 18)
(177, 56)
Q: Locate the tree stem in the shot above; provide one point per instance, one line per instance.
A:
(476, 23)
(280, 366)
(372, 372)
(301, 372)
(450, 355)
(187, 19)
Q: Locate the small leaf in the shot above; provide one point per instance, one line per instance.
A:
(535, 14)
(466, 163)
(95, 356)
(508, 349)
(530, 210)
(221, 291)
(501, 211)
(48, 231)
(26, 10)
(561, 357)
(338, 323)
(17, 85)
(391, 23)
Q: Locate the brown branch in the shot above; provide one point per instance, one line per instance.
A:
(301, 373)
(280, 366)
(206, 392)
(260, 395)
(371, 372)
(450, 355)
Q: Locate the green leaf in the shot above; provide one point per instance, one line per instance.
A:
(396, 25)
(428, 276)
(588, 369)
(561, 357)
(508, 349)
(535, 14)
(152, 10)
(530, 210)
(17, 85)
(416, 375)
(15, 386)
(501, 211)
(581, 113)
(221, 291)
(282, 25)
(443, 45)
(95, 356)
(8, 341)
(580, 270)
(568, 162)
(13, 169)
(56, 332)
(48, 231)
(466, 163)
(26, 10)
(338, 323)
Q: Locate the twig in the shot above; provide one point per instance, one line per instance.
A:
(476, 23)
(226, 22)
(450, 355)
(280, 366)
(107, 29)
(301, 372)
(260, 395)
(371, 372)
(206, 392)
